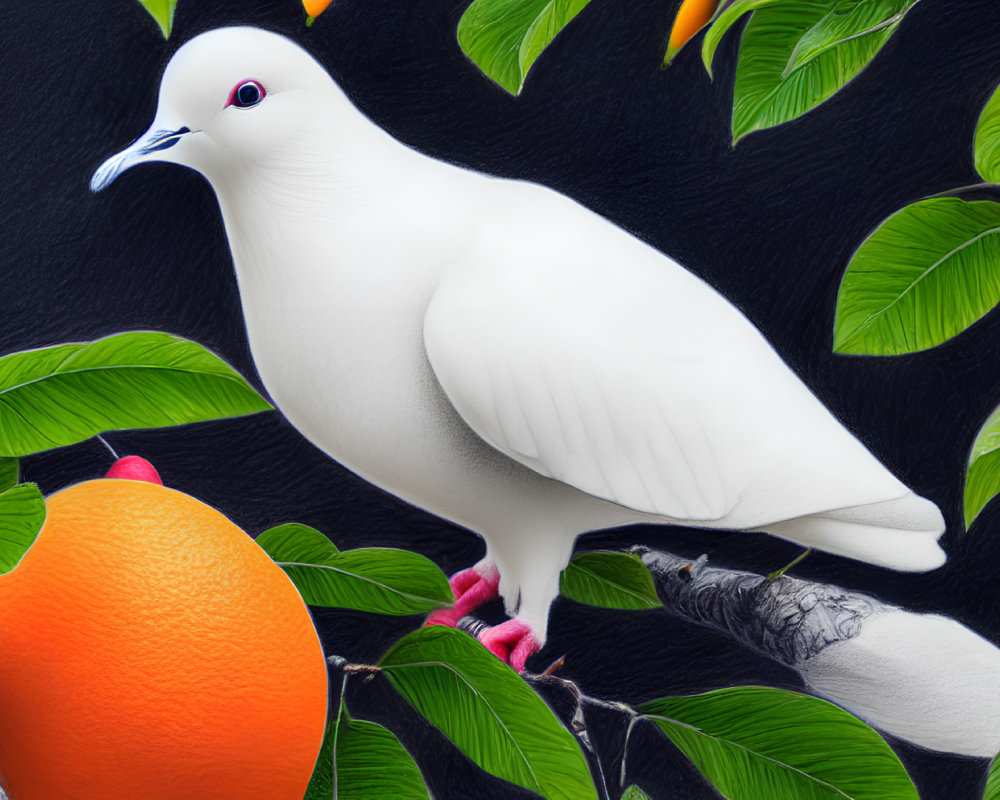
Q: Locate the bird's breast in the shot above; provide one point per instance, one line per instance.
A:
(335, 326)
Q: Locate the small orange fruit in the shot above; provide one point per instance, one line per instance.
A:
(150, 650)
(315, 7)
(691, 18)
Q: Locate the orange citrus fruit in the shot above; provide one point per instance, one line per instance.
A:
(691, 18)
(150, 650)
(315, 7)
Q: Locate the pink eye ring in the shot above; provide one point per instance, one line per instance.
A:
(246, 94)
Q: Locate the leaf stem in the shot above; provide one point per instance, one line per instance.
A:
(628, 735)
(780, 572)
(969, 187)
(341, 709)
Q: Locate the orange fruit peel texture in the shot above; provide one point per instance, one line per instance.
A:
(149, 649)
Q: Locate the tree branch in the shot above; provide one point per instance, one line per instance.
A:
(786, 619)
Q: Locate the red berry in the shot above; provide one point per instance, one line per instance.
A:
(134, 468)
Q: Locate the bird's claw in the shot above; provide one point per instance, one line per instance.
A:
(471, 587)
(512, 642)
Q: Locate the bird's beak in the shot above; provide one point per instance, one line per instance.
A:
(146, 148)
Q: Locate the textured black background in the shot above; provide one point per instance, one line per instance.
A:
(771, 224)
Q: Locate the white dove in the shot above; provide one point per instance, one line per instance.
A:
(495, 353)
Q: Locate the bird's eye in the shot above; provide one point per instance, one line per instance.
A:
(246, 94)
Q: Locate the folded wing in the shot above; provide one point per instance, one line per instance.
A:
(597, 361)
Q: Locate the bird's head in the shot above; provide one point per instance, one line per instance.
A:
(229, 98)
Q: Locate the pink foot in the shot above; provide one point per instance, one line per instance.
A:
(471, 588)
(511, 641)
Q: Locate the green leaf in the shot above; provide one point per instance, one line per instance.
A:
(992, 791)
(163, 12)
(633, 792)
(927, 273)
(376, 579)
(490, 714)
(987, 140)
(62, 395)
(321, 783)
(9, 471)
(757, 743)
(764, 95)
(609, 580)
(723, 22)
(843, 23)
(371, 764)
(294, 541)
(982, 475)
(22, 513)
(504, 37)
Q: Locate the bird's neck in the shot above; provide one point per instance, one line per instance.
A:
(318, 179)
(352, 227)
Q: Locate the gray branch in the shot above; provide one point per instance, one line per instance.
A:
(786, 619)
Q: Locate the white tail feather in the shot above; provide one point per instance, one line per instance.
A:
(900, 534)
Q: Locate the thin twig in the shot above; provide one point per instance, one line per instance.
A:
(361, 669)
(114, 455)
(554, 666)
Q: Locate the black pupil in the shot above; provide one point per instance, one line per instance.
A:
(248, 94)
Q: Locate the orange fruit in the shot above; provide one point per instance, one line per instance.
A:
(315, 7)
(691, 18)
(150, 650)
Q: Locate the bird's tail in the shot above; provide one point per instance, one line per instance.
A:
(900, 534)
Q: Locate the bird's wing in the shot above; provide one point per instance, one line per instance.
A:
(553, 357)
(595, 360)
